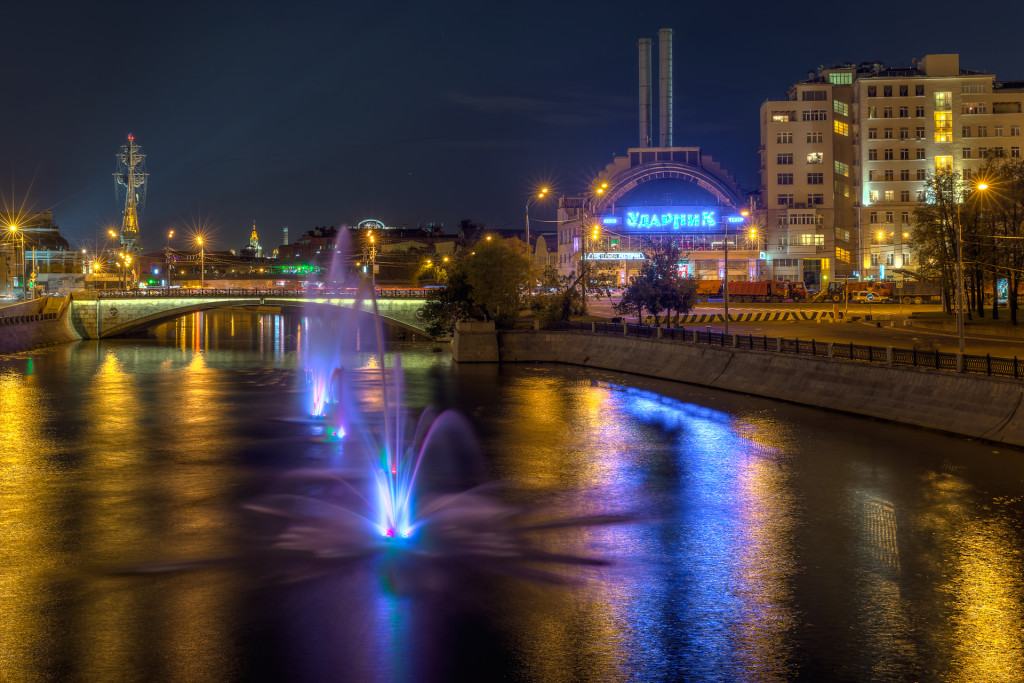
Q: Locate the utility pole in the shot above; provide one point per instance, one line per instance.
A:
(725, 281)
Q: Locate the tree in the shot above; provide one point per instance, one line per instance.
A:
(445, 307)
(659, 286)
(497, 271)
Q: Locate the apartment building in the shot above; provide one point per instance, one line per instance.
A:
(849, 153)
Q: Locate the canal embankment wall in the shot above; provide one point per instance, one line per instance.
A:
(977, 406)
(36, 323)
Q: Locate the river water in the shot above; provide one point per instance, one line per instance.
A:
(763, 541)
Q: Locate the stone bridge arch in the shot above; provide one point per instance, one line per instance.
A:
(95, 317)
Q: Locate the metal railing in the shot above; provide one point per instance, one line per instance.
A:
(993, 366)
(346, 293)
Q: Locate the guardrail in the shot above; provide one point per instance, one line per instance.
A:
(262, 293)
(993, 366)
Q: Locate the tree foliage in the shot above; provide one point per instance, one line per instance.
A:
(659, 287)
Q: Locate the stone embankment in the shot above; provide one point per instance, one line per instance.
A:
(983, 407)
(35, 323)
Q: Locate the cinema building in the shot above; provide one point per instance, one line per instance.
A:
(661, 191)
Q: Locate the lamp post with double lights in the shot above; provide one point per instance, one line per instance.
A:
(596, 191)
(725, 280)
(981, 187)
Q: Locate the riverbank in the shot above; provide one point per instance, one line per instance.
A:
(981, 407)
(35, 324)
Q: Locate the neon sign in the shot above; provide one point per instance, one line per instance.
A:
(671, 221)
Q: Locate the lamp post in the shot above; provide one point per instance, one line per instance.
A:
(202, 263)
(167, 259)
(960, 272)
(19, 234)
(725, 280)
(597, 190)
(540, 195)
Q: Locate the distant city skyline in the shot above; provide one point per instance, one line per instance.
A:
(310, 116)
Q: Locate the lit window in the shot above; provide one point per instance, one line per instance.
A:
(889, 195)
(841, 128)
(943, 101)
(815, 157)
(840, 78)
(943, 164)
(872, 112)
(873, 195)
(842, 169)
(781, 116)
(943, 126)
(842, 255)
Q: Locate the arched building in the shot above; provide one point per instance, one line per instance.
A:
(666, 191)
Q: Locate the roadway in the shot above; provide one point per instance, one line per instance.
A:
(857, 330)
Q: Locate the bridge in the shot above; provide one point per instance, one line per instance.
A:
(102, 315)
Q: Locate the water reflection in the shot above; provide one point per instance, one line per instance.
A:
(773, 542)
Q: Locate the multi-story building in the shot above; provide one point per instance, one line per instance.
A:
(845, 159)
(660, 191)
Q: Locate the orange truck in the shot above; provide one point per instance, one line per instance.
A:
(709, 289)
(768, 291)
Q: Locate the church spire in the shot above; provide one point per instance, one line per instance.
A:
(254, 242)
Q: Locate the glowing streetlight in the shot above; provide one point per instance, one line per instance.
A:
(202, 263)
(982, 186)
(540, 195)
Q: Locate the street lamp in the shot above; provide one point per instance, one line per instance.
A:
(167, 258)
(540, 195)
(202, 263)
(960, 272)
(19, 234)
(596, 191)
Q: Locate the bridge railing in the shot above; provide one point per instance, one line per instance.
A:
(340, 293)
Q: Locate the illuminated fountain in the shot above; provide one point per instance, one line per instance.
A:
(409, 489)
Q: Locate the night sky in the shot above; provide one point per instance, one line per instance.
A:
(306, 115)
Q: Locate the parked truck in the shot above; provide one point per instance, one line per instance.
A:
(770, 290)
(709, 289)
(908, 292)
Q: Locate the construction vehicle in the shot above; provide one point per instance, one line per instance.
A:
(709, 289)
(908, 292)
(837, 292)
(770, 290)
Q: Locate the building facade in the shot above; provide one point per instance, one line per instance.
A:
(847, 156)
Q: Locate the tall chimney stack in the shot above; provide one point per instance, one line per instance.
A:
(646, 101)
(665, 85)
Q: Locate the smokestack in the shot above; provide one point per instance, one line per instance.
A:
(645, 91)
(286, 234)
(665, 85)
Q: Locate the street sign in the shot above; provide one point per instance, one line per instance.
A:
(870, 297)
(899, 284)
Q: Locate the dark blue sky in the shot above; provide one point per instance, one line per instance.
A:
(325, 114)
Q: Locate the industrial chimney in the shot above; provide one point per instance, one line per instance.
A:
(645, 91)
(665, 85)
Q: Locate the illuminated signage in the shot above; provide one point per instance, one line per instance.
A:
(616, 256)
(610, 220)
(671, 221)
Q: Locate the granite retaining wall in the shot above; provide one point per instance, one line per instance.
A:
(983, 407)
